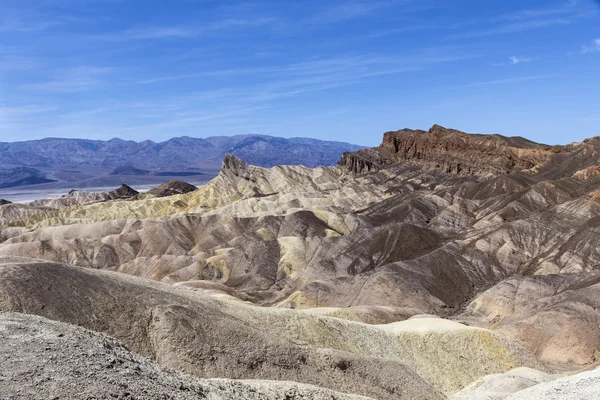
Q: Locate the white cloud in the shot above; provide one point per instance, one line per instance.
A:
(595, 46)
(519, 59)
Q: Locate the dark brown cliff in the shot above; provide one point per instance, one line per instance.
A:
(451, 151)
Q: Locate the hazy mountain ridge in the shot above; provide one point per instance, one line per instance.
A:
(179, 152)
(22, 176)
(79, 163)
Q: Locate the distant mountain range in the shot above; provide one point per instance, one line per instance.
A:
(22, 176)
(181, 152)
(52, 160)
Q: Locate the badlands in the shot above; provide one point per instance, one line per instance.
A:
(439, 265)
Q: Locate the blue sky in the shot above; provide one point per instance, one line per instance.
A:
(340, 69)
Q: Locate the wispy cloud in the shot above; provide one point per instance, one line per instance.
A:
(16, 22)
(530, 19)
(350, 40)
(590, 48)
(283, 80)
(153, 33)
(20, 111)
(569, 7)
(514, 60)
(11, 62)
(78, 79)
(183, 31)
(515, 27)
(353, 9)
(190, 111)
(512, 80)
(210, 66)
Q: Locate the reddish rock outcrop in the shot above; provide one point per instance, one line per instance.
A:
(451, 151)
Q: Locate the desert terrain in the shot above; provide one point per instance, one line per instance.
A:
(439, 265)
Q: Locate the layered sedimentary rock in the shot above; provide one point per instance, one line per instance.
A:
(44, 359)
(452, 151)
(553, 315)
(494, 232)
(184, 329)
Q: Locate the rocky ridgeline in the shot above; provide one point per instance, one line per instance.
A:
(451, 151)
(78, 197)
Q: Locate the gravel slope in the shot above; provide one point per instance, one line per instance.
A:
(44, 359)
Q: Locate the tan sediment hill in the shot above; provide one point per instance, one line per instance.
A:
(585, 385)
(553, 315)
(500, 233)
(500, 386)
(43, 359)
(528, 384)
(200, 335)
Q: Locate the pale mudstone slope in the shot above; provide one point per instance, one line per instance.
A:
(499, 386)
(527, 384)
(585, 385)
(43, 359)
(192, 332)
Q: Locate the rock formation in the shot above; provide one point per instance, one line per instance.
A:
(79, 198)
(171, 188)
(494, 238)
(451, 151)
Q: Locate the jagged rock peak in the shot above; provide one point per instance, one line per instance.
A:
(124, 191)
(439, 130)
(4, 202)
(171, 188)
(233, 164)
